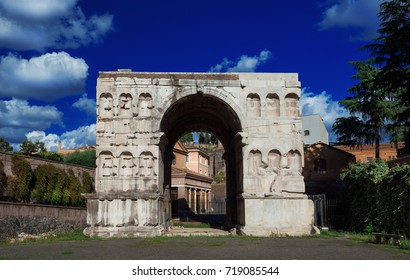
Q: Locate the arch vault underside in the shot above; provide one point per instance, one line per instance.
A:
(140, 116)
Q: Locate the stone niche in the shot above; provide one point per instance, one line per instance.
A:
(141, 115)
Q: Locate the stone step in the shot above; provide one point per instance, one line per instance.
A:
(177, 231)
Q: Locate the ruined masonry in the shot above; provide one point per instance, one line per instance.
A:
(256, 117)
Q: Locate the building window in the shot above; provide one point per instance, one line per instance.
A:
(320, 165)
(187, 158)
(307, 132)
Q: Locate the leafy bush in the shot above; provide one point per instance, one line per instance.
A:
(378, 197)
(55, 186)
(20, 184)
(3, 179)
(50, 156)
(220, 177)
(87, 183)
(85, 158)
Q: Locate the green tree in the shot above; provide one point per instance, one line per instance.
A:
(5, 146)
(186, 138)
(45, 179)
(368, 100)
(20, 184)
(30, 148)
(201, 138)
(350, 131)
(87, 186)
(391, 52)
(85, 158)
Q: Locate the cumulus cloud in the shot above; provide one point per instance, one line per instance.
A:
(244, 63)
(86, 105)
(82, 136)
(18, 117)
(40, 24)
(325, 106)
(46, 77)
(358, 14)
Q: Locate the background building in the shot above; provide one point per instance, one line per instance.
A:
(314, 130)
(191, 191)
(366, 153)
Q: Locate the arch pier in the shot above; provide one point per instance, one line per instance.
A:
(140, 116)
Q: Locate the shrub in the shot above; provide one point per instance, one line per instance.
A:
(50, 156)
(3, 179)
(20, 184)
(85, 158)
(378, 197)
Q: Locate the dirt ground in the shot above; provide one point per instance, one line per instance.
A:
(205, 248)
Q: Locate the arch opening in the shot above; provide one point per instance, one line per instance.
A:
(208, 113)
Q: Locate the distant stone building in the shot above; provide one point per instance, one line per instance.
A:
(62, 151)
(314, 130)
(323, 166)
(366, 153)
(191, 184)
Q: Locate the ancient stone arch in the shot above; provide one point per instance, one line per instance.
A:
(142, 115)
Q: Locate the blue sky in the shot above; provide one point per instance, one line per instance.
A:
(52, 50)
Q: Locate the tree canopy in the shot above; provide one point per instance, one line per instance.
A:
(380, 101)
(5, 146)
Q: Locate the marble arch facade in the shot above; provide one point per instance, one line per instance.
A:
(140, 117)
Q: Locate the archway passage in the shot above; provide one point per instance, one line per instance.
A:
(202, 112)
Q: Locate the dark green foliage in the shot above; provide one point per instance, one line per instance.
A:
(29, 148)
(369, 100)
(351, 131)
(55, 186)
(201, 138)
(87, 183)
(382, 96)
(46, 177)
(85, 158)
(20, 184)
(5, 146)
(378, 197)
(391, 52)
(220, 177)
(3, 179)
(186, 138)
(72, 194)
(50, 156)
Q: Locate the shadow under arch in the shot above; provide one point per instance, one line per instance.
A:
(205, 112)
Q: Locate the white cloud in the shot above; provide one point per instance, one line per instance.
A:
(40, 24)
(39, 9)
(325, 106)
(86, 105)
(50, 140)
(243, 64)
(46, 77)
(18, 117)
(82, 136)
(360, 14)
